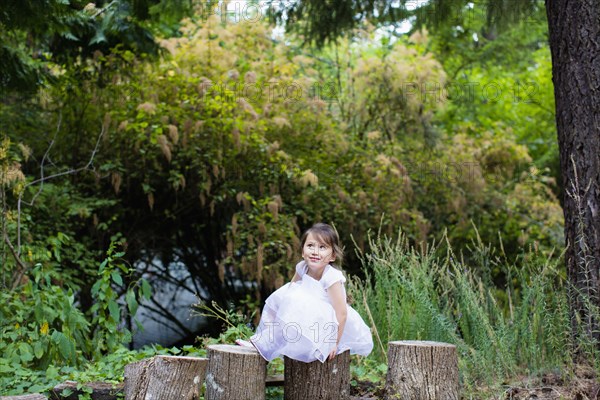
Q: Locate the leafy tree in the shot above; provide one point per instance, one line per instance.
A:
(500, 78)
(34, 33)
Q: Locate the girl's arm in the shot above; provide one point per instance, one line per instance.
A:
(296, 277)
(338, 301)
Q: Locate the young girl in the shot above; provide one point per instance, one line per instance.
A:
(308, 319)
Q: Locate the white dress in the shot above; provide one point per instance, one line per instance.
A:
(298, 321)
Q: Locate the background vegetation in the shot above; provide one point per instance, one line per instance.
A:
(198, 149)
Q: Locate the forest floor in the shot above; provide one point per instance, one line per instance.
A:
(584, 384)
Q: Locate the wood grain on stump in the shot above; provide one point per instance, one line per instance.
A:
(165, 377)
(421, 370)
(25, 397)
(235, 373)
(317, 381)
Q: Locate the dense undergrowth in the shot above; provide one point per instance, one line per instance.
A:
(522, 328)
(408, 293)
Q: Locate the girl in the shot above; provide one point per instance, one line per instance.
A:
(308, 319)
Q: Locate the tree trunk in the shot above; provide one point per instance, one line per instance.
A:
(235, 373)
(316, 380)
(575, 47)
(25, 397)
(165, 377)
(100, 391)
(419, 370)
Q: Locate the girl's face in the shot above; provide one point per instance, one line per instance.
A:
(317, 253)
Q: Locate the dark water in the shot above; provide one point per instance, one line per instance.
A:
(175, 299)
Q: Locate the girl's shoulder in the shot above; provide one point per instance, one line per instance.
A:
(301, 268)
(332, 275)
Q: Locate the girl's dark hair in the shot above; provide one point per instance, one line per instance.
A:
(327, 235)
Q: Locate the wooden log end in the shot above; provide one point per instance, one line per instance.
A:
(420, 343)
(228, 348)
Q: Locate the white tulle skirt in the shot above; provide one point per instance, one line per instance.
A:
(299, 322)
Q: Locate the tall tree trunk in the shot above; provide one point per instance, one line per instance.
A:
(575, 45)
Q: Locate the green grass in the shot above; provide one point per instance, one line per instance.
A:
(522, 327)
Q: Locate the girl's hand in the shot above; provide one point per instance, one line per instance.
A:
(332, 353)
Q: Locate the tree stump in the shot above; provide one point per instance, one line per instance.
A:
(165, 377)
(235, 373)
(421, 370)
(99, 391)
(25, 397)
(317, 381)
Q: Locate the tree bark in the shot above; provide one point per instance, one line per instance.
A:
(316, 380)
(165, 377)
(25, 397)
(419, 370)
(575, 47)
(235, 373)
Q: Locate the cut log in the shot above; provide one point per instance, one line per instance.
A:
(25, 397)
(165, 377)
(422, 370)
(99, 391)
(316, 380)
(235, 373)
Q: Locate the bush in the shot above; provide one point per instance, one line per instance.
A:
(432, 294)
(45, 334)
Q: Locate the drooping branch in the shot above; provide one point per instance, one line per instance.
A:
(43, 178)
(159, 321)
(22, 266)
(163, 311)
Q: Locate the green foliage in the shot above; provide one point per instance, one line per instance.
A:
(324, 22)
(500, 79)
(523, 327)
(369, 370)
(41, 329)
(106, 311)
(41, 325)
(110, 368)
(34, 36)
(44, 331)
(222, 169)
(237, 325)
